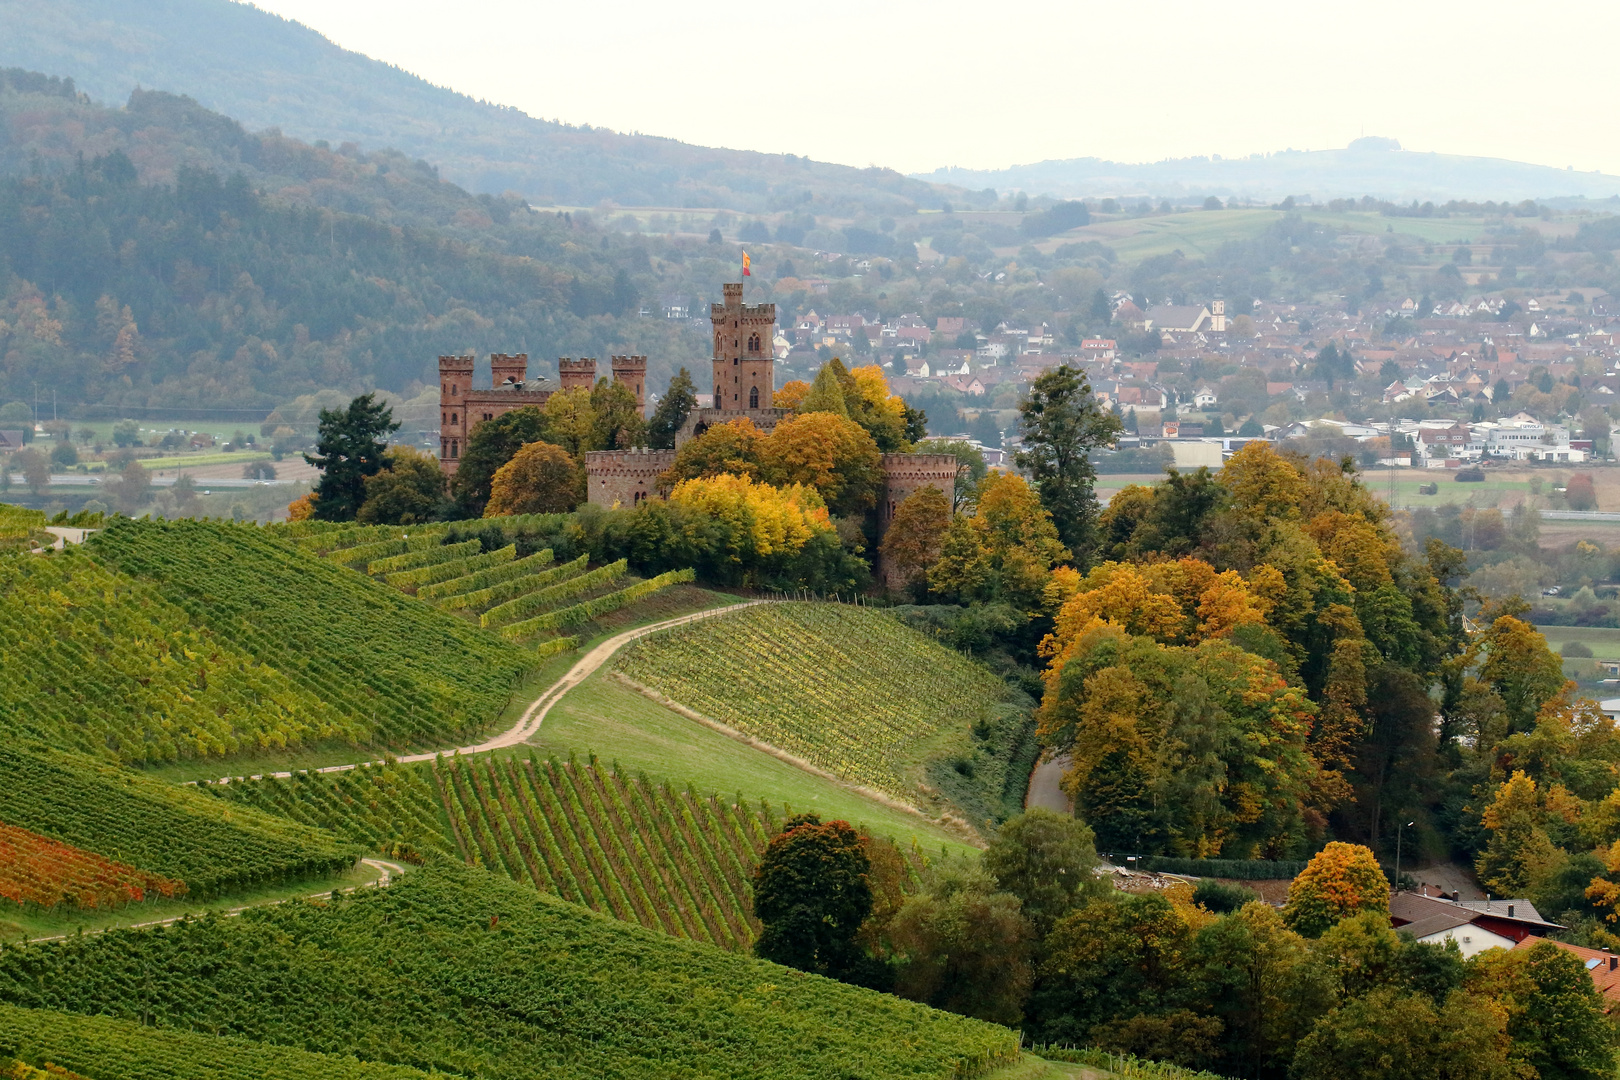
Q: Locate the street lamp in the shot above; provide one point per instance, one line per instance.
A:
(1400, 832)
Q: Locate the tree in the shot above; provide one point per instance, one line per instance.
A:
(63, 455)
(616, 422)
(1580, 493)
(349, 448)
(1006, 551)
(725, 448)
(571, 421)
(828, 452)
(672, 411)
(17, 414)
(1559, 1028)
(913, 541)
(1101, 311)
(826, 394)
(1520, 668)
(963, 946)
(301, 508)
(35, 468)
(126, 433)
(131, 490)
(1047, 860)
(1062, 424)
(540, 479)
(491, 444)
(970, 467)
(408, 491)
(811, 895)
(1388, 1035)
(1340, 880)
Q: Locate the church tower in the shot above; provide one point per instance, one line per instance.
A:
(744, 371)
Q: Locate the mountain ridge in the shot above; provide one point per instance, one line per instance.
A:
(1371, 166)
(269, 72)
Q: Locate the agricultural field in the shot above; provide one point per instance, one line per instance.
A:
(167, 833)
(19, 525)
(1604, 641)
(100, 662)
(852, 691)
(408, 675)
(457, 969)
(648, 853)
(522, 599)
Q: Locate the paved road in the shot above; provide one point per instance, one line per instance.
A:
(1044, 789)
(530, 721)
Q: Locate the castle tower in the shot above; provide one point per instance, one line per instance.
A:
(632, 372)
(572, 373)
(744, 373)
(505, 368)
(455, 384)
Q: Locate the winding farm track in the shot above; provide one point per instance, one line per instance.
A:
(530, 721)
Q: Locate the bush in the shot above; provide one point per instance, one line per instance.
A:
(1472, 475)
(1222, 898)
(1574, 649)
(1429, 489)
(1238, 869)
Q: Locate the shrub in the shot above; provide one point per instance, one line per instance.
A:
(1571, 649)
(1472, 475)
(1222, 898)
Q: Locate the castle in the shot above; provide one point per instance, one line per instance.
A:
(744, 384)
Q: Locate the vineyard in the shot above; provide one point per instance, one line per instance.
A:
(102, 1048)
(100, 662)
(523, 598)
(169, 832)
(402, 672)
(642, 852)
(457, 970)
(40, 873)
(852, 691)
(19, 525)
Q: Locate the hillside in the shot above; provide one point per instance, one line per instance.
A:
(461, 971)
(1372, 167)
(269, 72)
(855, 693)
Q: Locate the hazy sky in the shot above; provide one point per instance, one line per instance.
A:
(916, 85)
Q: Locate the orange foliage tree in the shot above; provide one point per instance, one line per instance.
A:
(1342, 880)
(541, 478)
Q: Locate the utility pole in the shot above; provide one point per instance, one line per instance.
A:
(1399, 833)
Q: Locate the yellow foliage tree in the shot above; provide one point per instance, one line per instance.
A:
(541, 478)
(301, 509)
(1340, 881)
(1263, 483)
(828, 452)
(764, 521)
(1519, 853)
(724, 448)
(790, 394)
(1006, 550)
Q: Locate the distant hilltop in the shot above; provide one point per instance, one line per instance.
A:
(1373, 165)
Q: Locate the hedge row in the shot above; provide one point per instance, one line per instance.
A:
(431, 555)
(454, 568)
(1236, 869)
(590, 609)
(484, 578)
(535, 602)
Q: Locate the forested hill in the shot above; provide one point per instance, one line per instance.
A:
(270, 72)
(162, 256)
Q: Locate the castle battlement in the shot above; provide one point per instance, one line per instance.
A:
(456, 363)
(625, 477)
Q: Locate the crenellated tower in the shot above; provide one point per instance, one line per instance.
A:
(508, 368)
(455, 384)
(632, 372)
(572, 373)
(744, 371)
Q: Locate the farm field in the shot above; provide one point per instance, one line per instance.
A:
(459, 965)
(618, 725)
(1604, 640)
(852, 691)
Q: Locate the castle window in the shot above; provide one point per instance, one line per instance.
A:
(753, 398)
(452, 418)
(753, 343)
(455, 448)
(454, 389)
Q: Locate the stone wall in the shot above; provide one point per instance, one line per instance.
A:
(624, 477)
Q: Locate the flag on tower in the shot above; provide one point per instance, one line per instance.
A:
(746, 272)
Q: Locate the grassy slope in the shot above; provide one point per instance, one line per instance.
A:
(856, 693)
(466, 972)
(617, 724)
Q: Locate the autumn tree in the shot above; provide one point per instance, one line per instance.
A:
(349, 448)
(491, 444)
(731, 448)
(301, 508)
(615, 421)
(826, 394)
(828, 452)
(672, 411)
(131, 489)
(788, 396)
(913, 541)
(962, 945)
(1390, 1035)
(1062, 424)
(540, 479)
(1520, 668)
(811, 895)
(1005, 551)
(1339, 881)
(410, 489)
(1519, 853)
(35, 468)
(1048, 861)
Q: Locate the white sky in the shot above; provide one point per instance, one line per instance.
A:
(916, 84)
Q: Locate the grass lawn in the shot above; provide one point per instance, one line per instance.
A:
(615, 723)
(1604, 641)
(16, 924)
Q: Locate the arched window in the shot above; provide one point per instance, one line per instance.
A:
(753, 398)
(753, 343)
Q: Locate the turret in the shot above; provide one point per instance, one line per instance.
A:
(505, 368)
(632, 372)
(744, 372)
(572, 373)
(455, 383)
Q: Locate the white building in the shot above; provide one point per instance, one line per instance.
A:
(1522, 437)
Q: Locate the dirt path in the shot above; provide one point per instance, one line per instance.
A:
(530, 721)
(1044, 787)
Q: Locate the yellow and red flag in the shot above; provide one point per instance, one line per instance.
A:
(746, 272)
